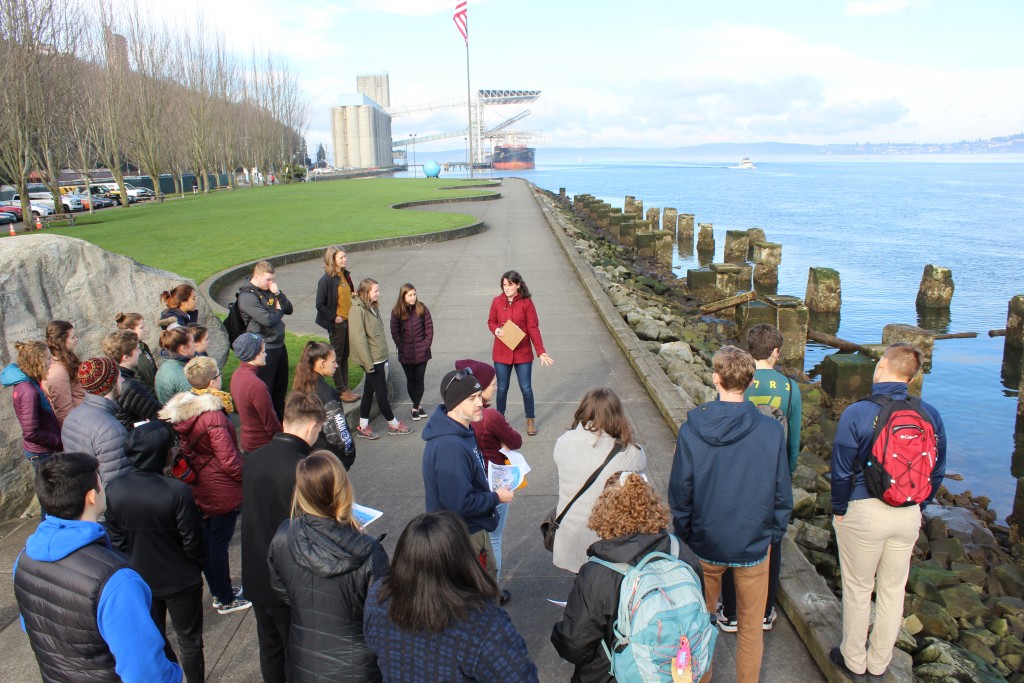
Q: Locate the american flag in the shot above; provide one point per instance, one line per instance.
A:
(461, 21)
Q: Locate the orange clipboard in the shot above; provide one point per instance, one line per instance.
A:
(511, 335)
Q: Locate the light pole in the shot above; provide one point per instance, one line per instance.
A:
(413, 137)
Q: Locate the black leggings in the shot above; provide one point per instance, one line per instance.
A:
(376, 383)
(414, 375)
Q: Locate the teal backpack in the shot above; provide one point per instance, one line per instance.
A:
(660, 600)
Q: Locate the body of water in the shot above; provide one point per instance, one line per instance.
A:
(878, 221)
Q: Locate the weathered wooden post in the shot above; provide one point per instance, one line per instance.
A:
(702, 283)
(615, 223)
(669, 220)
(845, 379)
(654, 218)
(824, 290)
(645, 244)
(767, 257)
(663, 249)
(922, 339)
(630, 205)
(1013, 343)
(754, 235)
(936, 290)
(627, 232)
(793, 321)
(706, 237)
(735, 246)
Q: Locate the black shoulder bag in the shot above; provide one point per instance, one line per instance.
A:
(551, 523)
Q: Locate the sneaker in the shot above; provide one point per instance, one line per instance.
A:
(237, 605)
(836, 657)
(504, 597)
(876, 678)
(236, 591)
(367, 433)
(400, 428)
(724, 623)
(769, 620)
(416, 414)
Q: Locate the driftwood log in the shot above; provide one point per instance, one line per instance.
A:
(997, 333)
(729, 302)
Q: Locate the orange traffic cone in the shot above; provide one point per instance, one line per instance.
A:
(39, 223)
(12, 230)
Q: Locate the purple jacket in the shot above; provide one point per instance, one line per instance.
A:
(413, 336)
(39, 427)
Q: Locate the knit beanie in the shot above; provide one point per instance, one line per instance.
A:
(484, 372)
(456, 389)
(247, 346)
(98, 375)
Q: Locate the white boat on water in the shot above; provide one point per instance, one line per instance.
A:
(745, 162)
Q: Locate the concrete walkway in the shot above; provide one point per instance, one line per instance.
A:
(457, 280)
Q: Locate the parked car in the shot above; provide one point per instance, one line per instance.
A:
(68, 202)
(101, 202)
(11, 209)
(6, 218)
(109, 191)
(37, 208)
(139, 192)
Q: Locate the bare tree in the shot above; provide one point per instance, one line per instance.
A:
(113, 100)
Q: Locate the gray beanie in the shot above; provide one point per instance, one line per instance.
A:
(247, 346)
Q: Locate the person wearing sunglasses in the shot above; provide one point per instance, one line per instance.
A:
(454, 474)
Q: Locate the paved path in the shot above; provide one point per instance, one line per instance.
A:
(457, 280)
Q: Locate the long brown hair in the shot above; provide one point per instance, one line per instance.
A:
(363, 292)
(322, 488)
(173, 340)
(601, 411)
(330, 266)
(306, 376)
(175, 297)
(32, 358)
(436, 578)
(401, 309)
(56, 338)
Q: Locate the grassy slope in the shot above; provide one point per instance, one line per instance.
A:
(198, 236)
(295, 343)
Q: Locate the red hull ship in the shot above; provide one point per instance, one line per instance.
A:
(512, 158)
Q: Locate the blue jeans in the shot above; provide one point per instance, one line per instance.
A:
(502, 511)
(524, 374)
(217, 533)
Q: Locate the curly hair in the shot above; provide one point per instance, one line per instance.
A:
(32, 358)
(631, 508)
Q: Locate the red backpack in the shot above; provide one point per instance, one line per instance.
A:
(904, 450)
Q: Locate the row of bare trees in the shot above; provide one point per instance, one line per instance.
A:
(87, 84)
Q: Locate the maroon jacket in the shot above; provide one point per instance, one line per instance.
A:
(413, 336)
(207, 440)
(255, 408)
(39, 428)
(493, 432)
(523, 314)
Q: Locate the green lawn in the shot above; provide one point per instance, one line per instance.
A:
(295, 343)
(197, 236)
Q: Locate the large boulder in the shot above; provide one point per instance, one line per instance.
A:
(942, 662)
(51, 277)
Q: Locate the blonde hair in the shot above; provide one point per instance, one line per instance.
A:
(330, 266)
(323, 489)
(32, 358)
(200, 371)
(120, 343)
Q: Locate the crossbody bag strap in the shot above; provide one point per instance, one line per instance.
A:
(589, 482)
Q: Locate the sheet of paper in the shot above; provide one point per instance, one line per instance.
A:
(516, 459)
(504, 475)
(365, 515)
(511, 334)
(560, 603)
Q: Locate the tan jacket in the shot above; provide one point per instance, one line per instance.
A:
(367, 342)
(64, 391)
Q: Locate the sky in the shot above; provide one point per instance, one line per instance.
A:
(660, 74)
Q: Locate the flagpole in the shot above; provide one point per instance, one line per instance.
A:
(469, 110)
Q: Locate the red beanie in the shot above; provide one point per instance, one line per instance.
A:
(484, 372)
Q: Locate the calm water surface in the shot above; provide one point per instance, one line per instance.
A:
(878, 222)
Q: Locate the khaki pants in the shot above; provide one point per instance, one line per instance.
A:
(751, 593)
(481, 542)
(875, 545)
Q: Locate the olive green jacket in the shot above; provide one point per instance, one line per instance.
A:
(367, 342)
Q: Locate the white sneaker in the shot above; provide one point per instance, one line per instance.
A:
(235, 591)
(769, 620)
(238, 605)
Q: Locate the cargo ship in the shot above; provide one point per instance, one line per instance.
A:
(512, 158)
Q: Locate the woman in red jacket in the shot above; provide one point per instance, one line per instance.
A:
(208, 442)
(514, 303)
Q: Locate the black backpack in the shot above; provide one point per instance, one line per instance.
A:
(234, 324)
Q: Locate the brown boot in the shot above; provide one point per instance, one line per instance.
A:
(531, 427)
(348, 396)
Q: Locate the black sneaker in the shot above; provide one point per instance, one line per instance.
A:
(504, 598)
(876, 678)
(836, 657)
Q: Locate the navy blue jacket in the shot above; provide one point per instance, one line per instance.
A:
(853, 443)
(730, 490)
(453, 473)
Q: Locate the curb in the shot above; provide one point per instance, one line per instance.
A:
(803, 594)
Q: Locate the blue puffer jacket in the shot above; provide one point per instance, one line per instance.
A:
(854, 435)
(730, 490)
(453, 473)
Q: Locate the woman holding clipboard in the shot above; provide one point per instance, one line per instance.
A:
(513, 322)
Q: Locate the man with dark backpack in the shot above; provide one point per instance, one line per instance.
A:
(888, 460)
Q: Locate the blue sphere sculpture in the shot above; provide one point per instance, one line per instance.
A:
(432, 169)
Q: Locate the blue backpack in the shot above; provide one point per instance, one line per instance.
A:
(660, 601)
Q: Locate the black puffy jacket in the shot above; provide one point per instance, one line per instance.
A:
(323, 570)
(136, 402)
(593, 603)
(153, 518)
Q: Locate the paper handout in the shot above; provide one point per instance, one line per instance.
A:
(365, 515)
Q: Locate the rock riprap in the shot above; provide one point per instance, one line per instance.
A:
(53, 277)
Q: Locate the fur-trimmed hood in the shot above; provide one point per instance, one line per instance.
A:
(188, 406)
